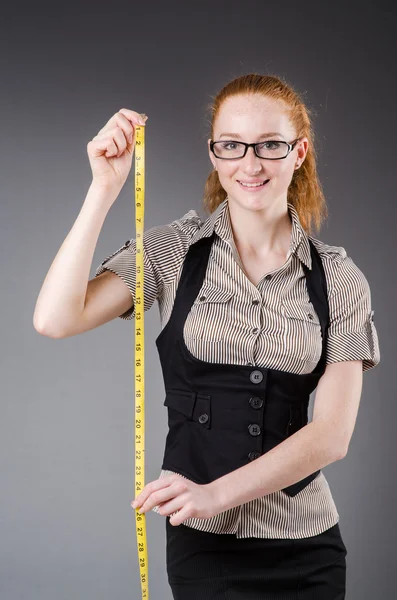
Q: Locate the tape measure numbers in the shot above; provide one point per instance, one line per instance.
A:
(140, 519)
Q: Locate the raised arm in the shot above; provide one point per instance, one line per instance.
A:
(68, 303)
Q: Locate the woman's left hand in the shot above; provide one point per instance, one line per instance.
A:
(175, 493)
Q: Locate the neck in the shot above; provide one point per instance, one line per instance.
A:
(261, 232)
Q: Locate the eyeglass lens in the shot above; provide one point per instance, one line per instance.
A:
(268, 149)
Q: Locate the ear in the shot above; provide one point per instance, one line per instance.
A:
(210, 154)
(302, 149)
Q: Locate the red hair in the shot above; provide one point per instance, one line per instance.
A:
(305, 190)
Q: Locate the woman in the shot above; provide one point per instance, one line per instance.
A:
(256, 314)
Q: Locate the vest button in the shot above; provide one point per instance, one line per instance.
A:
(255, 330)
(253, 455)
(256, 402)
(310, 315)
(255, 302)
(202, 298)
(256, 376)
(203, 418)
(127, 243)
(268, 276)
(254, 429)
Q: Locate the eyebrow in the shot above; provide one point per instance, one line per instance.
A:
(236, 135)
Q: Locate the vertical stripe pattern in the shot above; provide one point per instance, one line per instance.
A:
(271, 324)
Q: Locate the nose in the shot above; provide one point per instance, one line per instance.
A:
(251, 163)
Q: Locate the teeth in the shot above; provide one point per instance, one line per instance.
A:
(252, 184)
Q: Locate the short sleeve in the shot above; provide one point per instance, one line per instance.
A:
(164, 247)
(352, 333)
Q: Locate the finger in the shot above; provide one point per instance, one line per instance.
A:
(120, 140)
(158, 497)
(128, 125)
(118, 137)
(171, 498)
(126, 122)
(114, 141)
(139, 118)
(154, 485)
(180, 516)
(108, 133)
(173, 505)
(101, 147)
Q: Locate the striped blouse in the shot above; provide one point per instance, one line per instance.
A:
(282, 331)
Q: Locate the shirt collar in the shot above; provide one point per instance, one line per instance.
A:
(219, 221)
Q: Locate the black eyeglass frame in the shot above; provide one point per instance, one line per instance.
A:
(291, 146)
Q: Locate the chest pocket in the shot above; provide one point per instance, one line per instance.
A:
(303, 325)
(302, 312)
(209, 316)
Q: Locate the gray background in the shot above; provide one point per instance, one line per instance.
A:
(67, 406)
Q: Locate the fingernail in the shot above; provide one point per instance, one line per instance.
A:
(133, 504)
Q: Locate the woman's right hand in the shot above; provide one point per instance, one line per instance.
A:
(110, 151)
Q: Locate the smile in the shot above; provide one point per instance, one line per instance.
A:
(253, 186)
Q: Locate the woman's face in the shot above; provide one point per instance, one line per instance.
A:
(252, 119)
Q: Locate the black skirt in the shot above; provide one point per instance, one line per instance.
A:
(209, 566)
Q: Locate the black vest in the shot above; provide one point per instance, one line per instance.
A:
(222, 416)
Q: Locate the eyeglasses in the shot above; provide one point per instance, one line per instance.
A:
(271, 149)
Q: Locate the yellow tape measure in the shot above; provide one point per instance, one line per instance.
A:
(140, 359)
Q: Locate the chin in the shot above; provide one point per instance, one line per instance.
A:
(253, 202)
